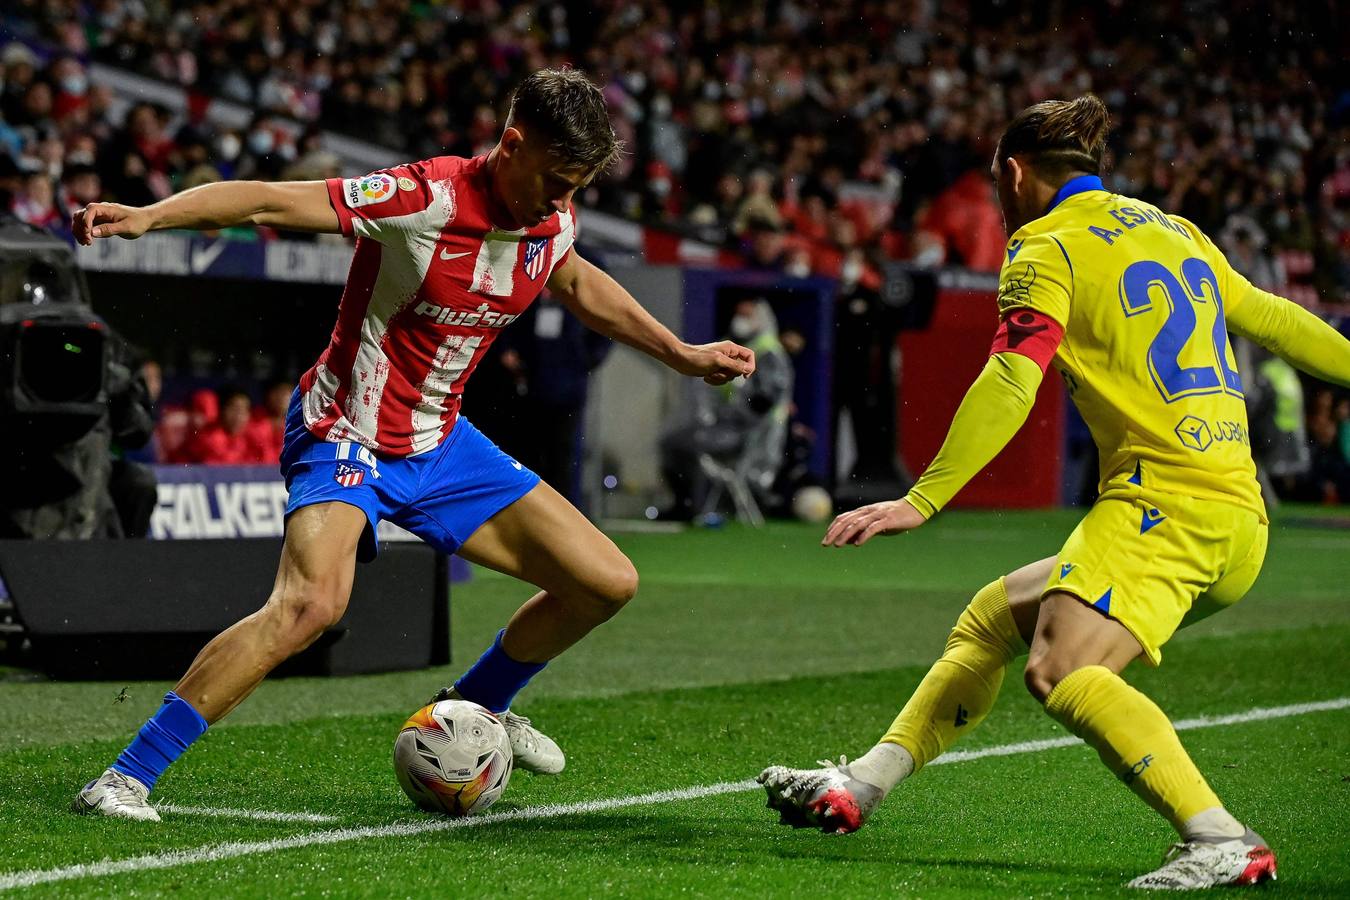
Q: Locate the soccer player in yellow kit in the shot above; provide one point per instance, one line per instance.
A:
(1132, 306)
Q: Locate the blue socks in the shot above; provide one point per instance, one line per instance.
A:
(492, 682)
(496, 678)
(161, 740)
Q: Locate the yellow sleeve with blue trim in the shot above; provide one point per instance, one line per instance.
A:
(1037, 276)
(1281, 326)
(1292, 333)
(992, 411)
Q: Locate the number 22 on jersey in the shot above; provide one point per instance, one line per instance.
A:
(1194, 289)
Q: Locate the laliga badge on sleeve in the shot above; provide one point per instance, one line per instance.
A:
(369, 190)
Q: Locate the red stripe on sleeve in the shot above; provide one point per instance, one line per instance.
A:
(1030, 333)
(335, 200)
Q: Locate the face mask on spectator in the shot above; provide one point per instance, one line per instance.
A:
(229, 147)
(851, 271)
(261, 142)
(744, 327)
(75, 84)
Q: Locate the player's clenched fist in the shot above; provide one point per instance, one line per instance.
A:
(101, 220)
(862, 524)
(717, 363)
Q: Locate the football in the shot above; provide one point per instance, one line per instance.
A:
(453, 757)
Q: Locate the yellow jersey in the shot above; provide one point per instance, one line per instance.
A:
(1141, 297)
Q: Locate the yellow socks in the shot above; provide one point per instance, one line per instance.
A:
(1134, 739)
(960, 689)
(1130, 733)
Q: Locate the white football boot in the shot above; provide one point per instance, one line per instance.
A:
(117, 795)
(1194, 865)
(533, 750)
(828, 798)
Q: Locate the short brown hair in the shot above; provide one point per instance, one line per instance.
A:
(571, 113)
(1059, 136)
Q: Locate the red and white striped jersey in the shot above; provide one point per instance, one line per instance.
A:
(432, 284)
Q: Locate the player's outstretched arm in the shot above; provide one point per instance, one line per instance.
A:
(1291, 332)
(291, 205)
(992, 411)
(603, 305)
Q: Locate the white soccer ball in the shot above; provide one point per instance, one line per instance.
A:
(812, 504)
(453, 757)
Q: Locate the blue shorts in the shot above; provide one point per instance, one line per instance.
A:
(442, 496)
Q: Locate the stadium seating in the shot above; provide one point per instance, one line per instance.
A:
(770, 92)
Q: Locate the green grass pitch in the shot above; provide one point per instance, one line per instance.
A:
(743, 648)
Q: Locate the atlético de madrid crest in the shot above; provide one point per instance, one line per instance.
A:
(535, 257)
(348, 475)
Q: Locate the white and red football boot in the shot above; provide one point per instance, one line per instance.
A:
(1194, 865)
(828, 798)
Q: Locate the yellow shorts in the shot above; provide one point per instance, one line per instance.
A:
(1156, 562)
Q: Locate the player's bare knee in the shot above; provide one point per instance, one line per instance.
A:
(303, 610)
(320, 612)
(612, 587)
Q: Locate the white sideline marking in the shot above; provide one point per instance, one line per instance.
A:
(263, 815)
(231, 850)
(216, 852)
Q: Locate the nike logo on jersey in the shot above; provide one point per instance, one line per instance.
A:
(1151, 518)
(1013, 249)
(447, 255)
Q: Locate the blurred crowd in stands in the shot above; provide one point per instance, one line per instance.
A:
(1327, 479)
(743, 120)
(217, 426)
(813, 138)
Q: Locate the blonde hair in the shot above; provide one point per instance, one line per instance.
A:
(1059, 136)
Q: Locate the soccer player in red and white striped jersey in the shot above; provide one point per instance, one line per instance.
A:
(434, 281)
(448, 252)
